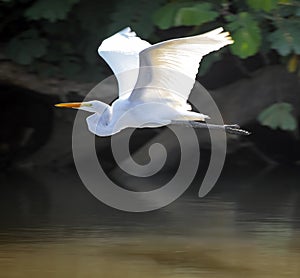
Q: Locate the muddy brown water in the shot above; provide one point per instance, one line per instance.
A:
(248, 226)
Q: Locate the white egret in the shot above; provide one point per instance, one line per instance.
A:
(151, 95)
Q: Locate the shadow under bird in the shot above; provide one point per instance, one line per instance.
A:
(154, 82)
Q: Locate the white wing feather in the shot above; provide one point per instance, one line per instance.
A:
(172, 65)
(121, 53)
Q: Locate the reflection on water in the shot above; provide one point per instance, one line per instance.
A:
(249, 226)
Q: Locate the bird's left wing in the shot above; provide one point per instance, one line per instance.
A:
(172, 65)
(121, 53)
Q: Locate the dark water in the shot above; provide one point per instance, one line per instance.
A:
(248, 226)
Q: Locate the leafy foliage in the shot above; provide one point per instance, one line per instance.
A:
(60, 37)
(286, 39)
(256, 26)
(136, 14)
(278, 116)
(27, 46)
(245, 33)
(265, 5)
(184, 14)
(279, 19)
(195, 15)
(65, 34)
(51, 10)
(75, 28)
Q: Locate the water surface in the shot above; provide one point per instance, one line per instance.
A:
(248, 226)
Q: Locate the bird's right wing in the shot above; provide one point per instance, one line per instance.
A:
(121, 53)
(172, 65)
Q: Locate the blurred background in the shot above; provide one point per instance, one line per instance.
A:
(50, 225)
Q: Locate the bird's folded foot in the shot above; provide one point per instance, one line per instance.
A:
(232, 126)
(231, 129)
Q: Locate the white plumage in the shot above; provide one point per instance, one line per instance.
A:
(121, 53)
(154, 80)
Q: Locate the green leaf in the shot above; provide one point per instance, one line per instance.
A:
(196, 14)
(281, 41)
(286, 39)
(184, 14)
(24, 48)
(51, 10)
(246, 35)
(230, 17)
(247, 42)
(233, 25)
(265, 5)
(278, 116)
(164, 16)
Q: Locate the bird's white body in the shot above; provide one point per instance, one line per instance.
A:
(124, 113)
(154, 80)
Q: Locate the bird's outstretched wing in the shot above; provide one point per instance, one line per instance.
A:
(172, 65)
(121, 53)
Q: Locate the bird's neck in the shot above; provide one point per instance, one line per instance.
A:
(106, 115)
(99, 124)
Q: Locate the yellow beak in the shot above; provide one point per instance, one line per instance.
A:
(69, 105)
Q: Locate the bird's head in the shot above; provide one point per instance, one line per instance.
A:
(93, 106)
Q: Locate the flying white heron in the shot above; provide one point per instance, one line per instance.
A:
(150, 94)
